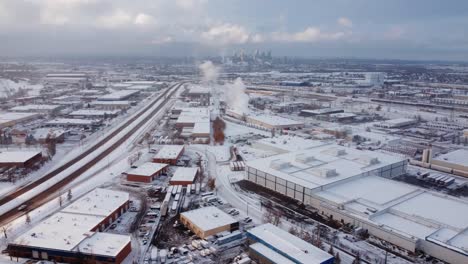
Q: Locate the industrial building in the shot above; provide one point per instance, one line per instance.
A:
(456, 160)
(22, 159)
(270, 244)
(111, 105)
(322, 111)
(273, 122)
(119, 95)
(80, 80)
(199, 94)
(351, 186)
(146, 172)
(184, 176)
(42, 134)
(93, 113)
(169, 154)
(208, 221)
(397, 123)
(10, 119)
(73, 122)
(73, 234)
(37, 108)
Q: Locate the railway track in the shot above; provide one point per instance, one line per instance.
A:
(36, 199)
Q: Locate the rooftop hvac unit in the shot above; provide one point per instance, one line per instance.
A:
(335, 152)
(279, 164)
(302, 158)
(325, 173)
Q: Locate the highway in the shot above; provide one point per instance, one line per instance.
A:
(37, 192)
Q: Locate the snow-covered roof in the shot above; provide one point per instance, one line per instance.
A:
(119, 95)
(147, 169)
(17, 156)
(61, 231)
(35, 107)
(286, 143)
(184, 174)
(208, 218)
(100, 202)
(104, 244)
(323, 164)
(169, 152)
(194, 115)
(270, 254)
(117, 102)
(93, 112)
(274, 120)
(11, 116)
(201, 128)
(457, 157)
(288, 245)
(71, 121)
(42, 133)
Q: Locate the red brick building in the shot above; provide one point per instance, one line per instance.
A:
(146, 172)
(169, 154)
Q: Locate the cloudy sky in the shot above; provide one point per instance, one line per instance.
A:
(402, 29)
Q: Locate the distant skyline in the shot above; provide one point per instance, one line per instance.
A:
(396, 29)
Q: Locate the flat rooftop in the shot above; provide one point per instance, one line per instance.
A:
(288, 245)
(119, 95)
(147, 169)
(169, 152)
(270, 253)
(99, 202)
(35, 107)
(322, 165)
(202, 128)
(71, 121)
(61, 231)
(286, 143)
(184, 174)
(208, 218)
(12, 116)
(93, 112)
(457, 157)
(104, 244)
(275, 120)
(17, 156)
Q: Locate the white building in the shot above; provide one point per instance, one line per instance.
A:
(349, 185)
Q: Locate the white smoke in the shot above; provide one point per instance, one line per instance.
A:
(236, 98)
(210, 72)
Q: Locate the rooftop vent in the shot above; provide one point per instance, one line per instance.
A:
(279, 164)
(302, 158)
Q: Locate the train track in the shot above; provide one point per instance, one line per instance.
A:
(13, 213)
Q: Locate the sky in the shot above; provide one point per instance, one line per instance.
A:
(381, 29)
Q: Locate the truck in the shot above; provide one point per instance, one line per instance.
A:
(154, 255)
(162, 256)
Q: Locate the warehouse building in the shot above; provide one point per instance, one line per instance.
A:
(93, 113)
(37, 108)
(270, 244)
(397, 123)
(199, 94)
(322, 111)
(169, 154)
(73, 122)
(350, 186)
(11, 119)
(111, 105)
(146, 172)
(21, 159)
(273, 122)
(184, 176)
(454, 162)
(119, 95)
(72, 235)
(208, 221)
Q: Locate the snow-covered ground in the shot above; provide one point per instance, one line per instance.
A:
(9, 87)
